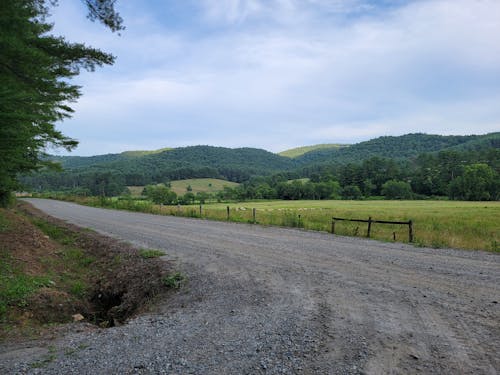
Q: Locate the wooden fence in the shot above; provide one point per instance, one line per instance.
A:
(370, 221)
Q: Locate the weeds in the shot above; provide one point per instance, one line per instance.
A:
(4, 223)
(44, 361)
(58, 234)
(15, 286)
(173, 281)
(150, 253)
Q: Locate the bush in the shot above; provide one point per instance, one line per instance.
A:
(395, 189)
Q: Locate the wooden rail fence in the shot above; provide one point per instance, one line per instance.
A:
(370, 221)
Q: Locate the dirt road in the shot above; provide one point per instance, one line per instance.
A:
(275, 300)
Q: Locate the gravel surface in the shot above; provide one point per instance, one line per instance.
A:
(280, 301)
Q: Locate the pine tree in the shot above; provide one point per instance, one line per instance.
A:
(35, 88)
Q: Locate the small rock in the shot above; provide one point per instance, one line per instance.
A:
(414, 356)
(77, 317)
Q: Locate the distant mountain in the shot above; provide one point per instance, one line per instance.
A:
(236, 164)
(298, 151)
(71, 162)
(137, 168)
(401, 147)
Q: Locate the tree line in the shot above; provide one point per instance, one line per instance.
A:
(459, 175)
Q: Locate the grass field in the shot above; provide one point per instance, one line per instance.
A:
(466, 225)
(439, 224)
(206, 185)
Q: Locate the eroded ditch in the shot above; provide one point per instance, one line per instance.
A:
(123, 282)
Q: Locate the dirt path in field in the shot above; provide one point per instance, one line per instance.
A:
(274, 300)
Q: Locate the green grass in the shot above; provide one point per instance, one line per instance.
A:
(206, 185)
(174, 281)
(150, 253)
(15, 285)
(466, 225)
(56, 233)
(455, 224)
(198, 185)
(298, 151)
(4, 223)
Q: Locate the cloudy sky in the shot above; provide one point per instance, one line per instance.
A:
(277, 74)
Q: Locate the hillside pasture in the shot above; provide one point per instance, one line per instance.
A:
(298, 151)
(199, 185)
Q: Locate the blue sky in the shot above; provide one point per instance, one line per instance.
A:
(277, 74)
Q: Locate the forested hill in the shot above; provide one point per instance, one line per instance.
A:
(115, 171)
(232, 164)
(140, 168)
(71, 162)
(401, 147)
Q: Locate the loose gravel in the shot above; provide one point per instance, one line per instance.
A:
(284, 301)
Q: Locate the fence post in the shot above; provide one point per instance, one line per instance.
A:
(299, 222)
(253, 213)
(333, 225)
(201, 209)
(369, 227)
(410, 231)
(227, 213)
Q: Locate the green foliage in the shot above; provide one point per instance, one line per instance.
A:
(151, 253)
(4, 222)
(35, 68)
(351, 192)
(400, 147)
(173, 281)
(160, 194)
(394, 189)
(56, 233)
(479, 182)
(367, 166)
(16, 286)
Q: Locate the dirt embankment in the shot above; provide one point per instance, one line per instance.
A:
(69, 273)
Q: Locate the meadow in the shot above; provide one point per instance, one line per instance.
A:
(198, 185)
(438, 224)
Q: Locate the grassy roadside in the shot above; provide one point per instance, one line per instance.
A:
(52, 272)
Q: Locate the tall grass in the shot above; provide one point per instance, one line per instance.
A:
(439, 224)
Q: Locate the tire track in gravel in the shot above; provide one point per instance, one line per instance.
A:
(277, 300)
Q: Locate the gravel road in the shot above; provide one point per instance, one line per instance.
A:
(282, 301)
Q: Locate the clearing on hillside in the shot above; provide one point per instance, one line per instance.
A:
(298, 151)
(198, 185)
(206, 185)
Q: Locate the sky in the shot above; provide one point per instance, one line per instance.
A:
(277, 74)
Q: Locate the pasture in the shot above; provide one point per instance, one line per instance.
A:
(455, 224)
(438, 224)
(198, 185)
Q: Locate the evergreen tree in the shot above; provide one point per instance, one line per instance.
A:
(35, 87)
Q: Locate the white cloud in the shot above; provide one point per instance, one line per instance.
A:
(294, 72)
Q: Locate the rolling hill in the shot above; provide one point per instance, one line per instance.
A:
(139, 168)
(399, 148)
